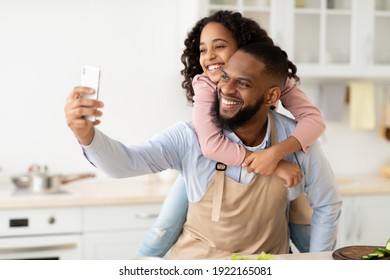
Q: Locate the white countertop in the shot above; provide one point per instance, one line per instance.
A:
(144, 189)
(363, 185)
(89, 192)
(306, 256)
(302, 256)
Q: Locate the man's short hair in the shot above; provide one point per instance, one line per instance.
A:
(273, 57)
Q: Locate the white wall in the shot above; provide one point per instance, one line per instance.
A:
(137, 44)
(44, 43)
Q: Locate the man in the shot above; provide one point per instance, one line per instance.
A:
(230, 210)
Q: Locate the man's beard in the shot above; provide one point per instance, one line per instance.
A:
(239, 119)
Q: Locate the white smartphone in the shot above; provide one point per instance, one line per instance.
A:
(90, 77)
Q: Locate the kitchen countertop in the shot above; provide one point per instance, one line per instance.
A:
(301, 256)
(143, 189)
(363, 185)
(306, 256)
(89, 192)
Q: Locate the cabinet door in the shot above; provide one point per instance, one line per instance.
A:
(114, 232)
(381, 47)
(364, 221)
(119, 217)
(322, 32)
(317, 35)
(258, 10)
(346, 233)
(371, 44)
(112, 245)
(372, 219)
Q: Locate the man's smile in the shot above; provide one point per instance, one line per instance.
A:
(230, 102)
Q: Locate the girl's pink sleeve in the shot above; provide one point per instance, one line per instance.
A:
(310, 124)
(212, 141)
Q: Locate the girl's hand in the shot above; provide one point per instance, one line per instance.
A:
(265, 162)
(262, 162)
(289, 172)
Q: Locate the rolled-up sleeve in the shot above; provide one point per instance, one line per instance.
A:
(161, 152)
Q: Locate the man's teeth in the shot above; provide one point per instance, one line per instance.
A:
(215, 66)
(226, 102)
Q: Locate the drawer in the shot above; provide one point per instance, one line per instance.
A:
(135, 216)
(22, 222)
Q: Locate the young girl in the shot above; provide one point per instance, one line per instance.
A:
(209, 45)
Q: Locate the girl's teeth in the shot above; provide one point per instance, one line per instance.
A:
(213, 67)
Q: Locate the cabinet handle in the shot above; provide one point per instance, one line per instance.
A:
(39, 247)
(359, 227)
(350, 223)
(52, 220)
(146, 215)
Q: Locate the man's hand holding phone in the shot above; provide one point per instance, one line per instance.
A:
(81, 109)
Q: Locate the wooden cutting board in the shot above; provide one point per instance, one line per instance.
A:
(355, 252)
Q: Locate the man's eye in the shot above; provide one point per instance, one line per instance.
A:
(220, 47)
(242, 84)
(224, 77)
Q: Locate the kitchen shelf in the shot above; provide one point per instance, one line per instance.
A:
(381, 43)
(258, 10)
(324, 38)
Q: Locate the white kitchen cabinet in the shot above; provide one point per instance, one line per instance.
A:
(115, 232)
(41, 233)
(324, 38)
(41, 221)
(364, 220)
(259, 10)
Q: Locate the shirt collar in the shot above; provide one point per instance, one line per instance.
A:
(264, 144)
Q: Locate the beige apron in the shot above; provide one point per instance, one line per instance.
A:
(300, 211)
(236, 218)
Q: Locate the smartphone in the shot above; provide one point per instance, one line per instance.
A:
(90, 77)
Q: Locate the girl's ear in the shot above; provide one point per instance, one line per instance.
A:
(273, 95)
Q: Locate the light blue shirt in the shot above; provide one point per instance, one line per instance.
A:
(178, 148)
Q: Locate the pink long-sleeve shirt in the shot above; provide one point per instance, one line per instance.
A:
(214, 145)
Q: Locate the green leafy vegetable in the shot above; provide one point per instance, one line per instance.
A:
(379, 253)
(262, 256)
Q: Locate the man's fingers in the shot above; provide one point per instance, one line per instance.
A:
(287, 183)
(85, 111)
(79, 90)
(85, 102)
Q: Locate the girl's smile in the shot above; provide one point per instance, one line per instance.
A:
(216, 46)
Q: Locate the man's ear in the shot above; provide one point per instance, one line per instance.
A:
(273, 95)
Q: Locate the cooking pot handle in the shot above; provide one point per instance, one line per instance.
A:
(75, 177)
(34, 168)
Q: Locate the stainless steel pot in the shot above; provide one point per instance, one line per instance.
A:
(40, 181)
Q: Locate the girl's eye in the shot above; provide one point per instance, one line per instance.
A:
(220, 47)
(202, 51)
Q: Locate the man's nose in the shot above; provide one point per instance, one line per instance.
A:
(227, 87)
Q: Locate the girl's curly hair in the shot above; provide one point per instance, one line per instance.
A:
(244, 31)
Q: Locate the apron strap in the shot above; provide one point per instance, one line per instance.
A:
(218, 191)
(274, 132)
